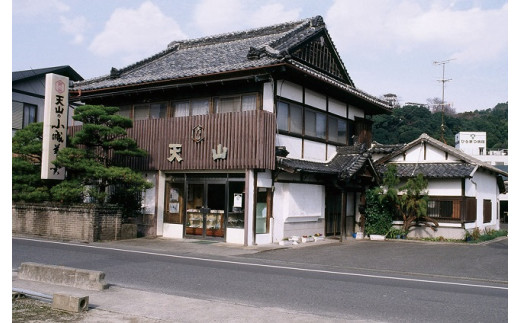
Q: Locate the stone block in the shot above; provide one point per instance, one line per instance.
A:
(70, 303)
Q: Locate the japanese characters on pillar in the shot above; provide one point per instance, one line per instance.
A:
(54, 124)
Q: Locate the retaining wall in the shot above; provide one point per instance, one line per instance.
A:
(85, 222)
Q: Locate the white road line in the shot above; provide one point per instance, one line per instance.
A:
(269, 266)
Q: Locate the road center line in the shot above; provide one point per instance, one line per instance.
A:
(268, 266)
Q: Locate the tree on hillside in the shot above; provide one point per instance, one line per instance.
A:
(408, 122)
(90, 161)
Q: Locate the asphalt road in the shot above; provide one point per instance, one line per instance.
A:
(345, 286)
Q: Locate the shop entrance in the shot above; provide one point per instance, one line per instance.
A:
(206, 208)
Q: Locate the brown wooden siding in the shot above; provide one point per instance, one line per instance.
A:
(249, 137)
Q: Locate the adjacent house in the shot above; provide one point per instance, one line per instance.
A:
(253, 136)
(463, 191)
(28, 91)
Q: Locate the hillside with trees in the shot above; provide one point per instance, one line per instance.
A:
(407, 123)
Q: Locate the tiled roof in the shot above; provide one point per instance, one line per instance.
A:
(64, 70)
(431, 170)
(464, 158)
(250, 49)
(378, 148)
(345, 164)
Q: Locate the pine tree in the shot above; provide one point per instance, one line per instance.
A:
(90, 161)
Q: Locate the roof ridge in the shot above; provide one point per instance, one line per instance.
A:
(230, 36)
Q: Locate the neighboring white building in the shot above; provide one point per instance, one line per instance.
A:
(474, 143)
(463, 191)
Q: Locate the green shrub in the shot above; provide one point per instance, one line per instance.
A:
(378, 217)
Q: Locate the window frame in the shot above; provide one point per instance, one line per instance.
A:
(307, 110)
(25, 118)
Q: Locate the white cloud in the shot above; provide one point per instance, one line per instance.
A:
(74, 26)
(217, 16)
(223, 16)
(470, 35)
(33, 8)
(271, 14)
(136, 33)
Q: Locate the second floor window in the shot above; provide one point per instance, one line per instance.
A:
(235, 103)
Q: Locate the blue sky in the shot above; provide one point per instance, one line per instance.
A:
(387, 46)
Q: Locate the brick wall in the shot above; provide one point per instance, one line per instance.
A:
(78, 222)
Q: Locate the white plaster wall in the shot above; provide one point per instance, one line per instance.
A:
(298, 209)
(315, 99)
(487, 189)
(171, 230)
(444, 187)
(264, 179)
(434, 154)
(355, 112)
(268, 97)
(279, 211)
(248, 212)
(289, 90)
(161, 188)
(331, 151)
(337, 107)
(292, 144)
(315, 151)
(234, 235)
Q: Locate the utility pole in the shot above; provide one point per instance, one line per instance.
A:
(443, 80)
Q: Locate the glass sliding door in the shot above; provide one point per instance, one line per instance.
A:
(206, 209)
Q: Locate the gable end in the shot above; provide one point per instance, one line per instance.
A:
(320, 53)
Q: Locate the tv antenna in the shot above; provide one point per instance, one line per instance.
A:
(443, 80)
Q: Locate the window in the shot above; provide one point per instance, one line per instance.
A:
(444, 209)
(289, 117)
(315, 124)
(158, 110)
(235, 103)
(125, 111)
(447, 208)
(487, 211)
(29, 114)
(141, 112)
(181, 108)
(199, 107)
(263, 210)
(337, 130)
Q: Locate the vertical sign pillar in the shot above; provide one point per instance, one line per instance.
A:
(54, 124)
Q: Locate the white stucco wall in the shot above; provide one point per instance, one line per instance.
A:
(160, 191)
(355, 112)
(268, 97)
(315, 99)
(292, 144)
(315, 151)
(445, 187)
(298, 209)
(289, 90)
(337, 107)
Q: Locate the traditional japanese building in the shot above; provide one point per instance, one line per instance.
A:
(252, 136)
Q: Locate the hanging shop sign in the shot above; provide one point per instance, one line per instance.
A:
(55, 116)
